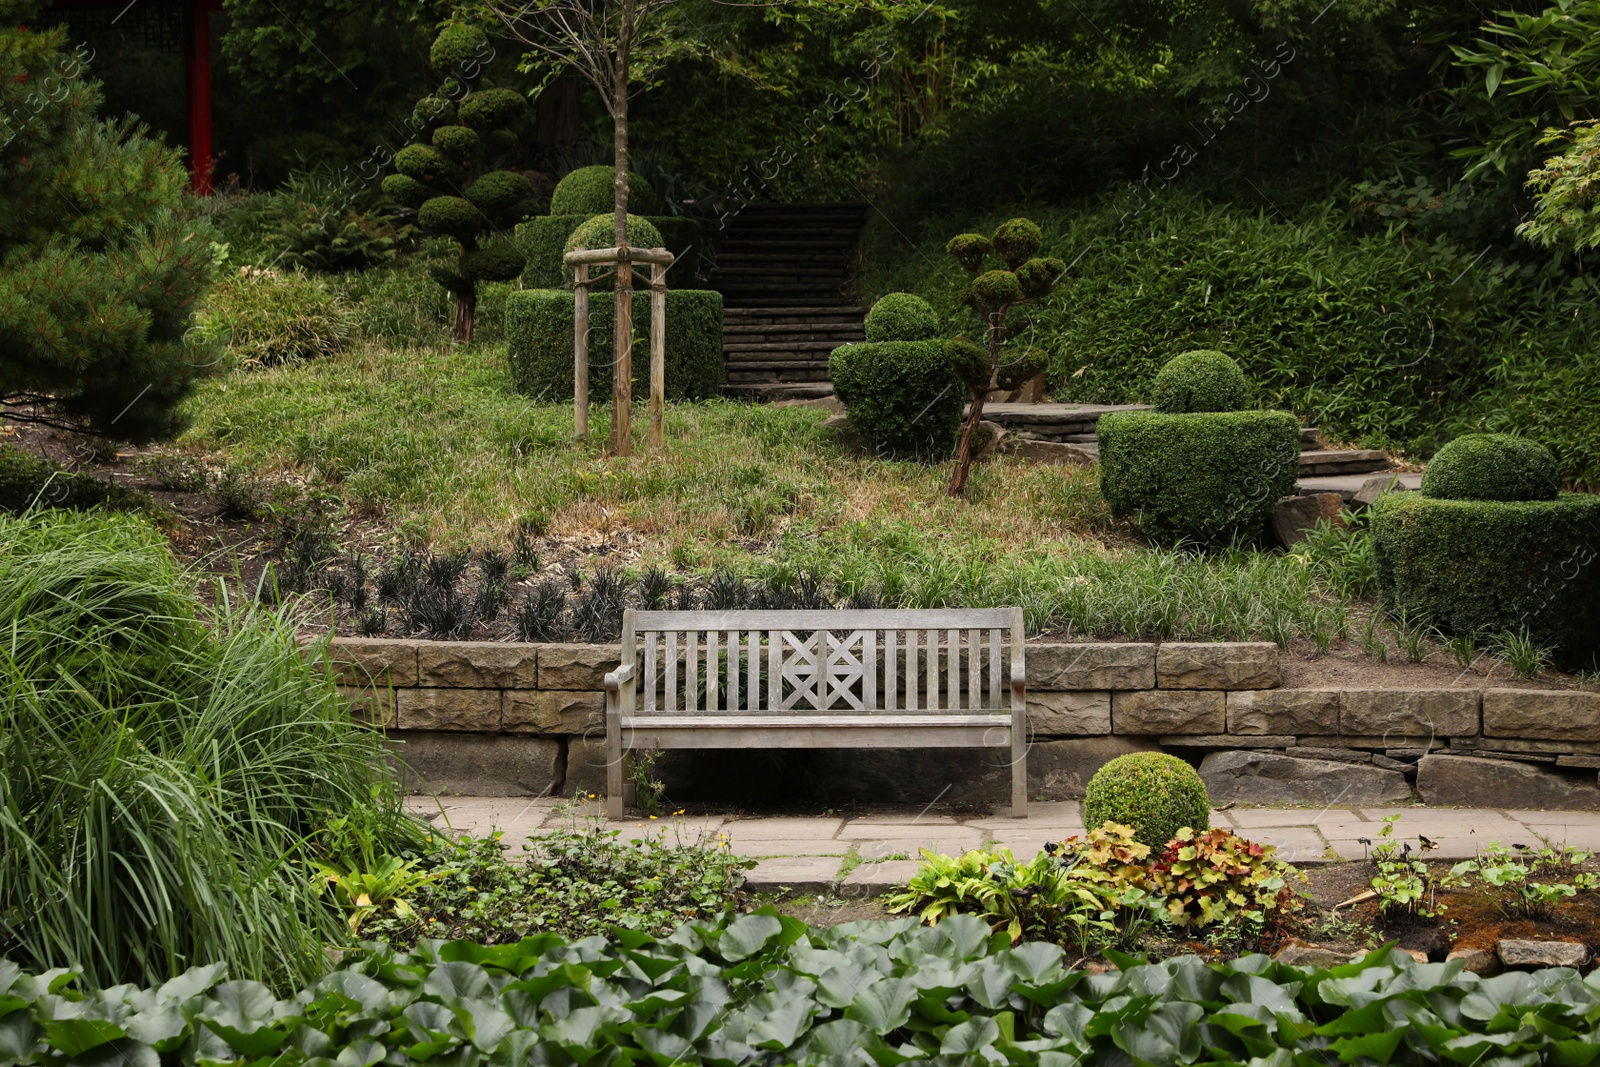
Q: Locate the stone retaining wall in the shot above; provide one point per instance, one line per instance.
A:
(494, 718)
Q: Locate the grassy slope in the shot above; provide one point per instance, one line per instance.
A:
(433, 442)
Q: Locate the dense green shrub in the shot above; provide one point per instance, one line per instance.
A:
(1492, 466)
(544, 239)
(592, 191)
(27, 479)
(764, 988)
(1373, 339)
(539, 344)
(1154, 793)
(1200, 381)
(267, 317)
(904, 401)
(166, 768)
(1202, 478)
(600, 232)
(1490, 567)
(901, 317)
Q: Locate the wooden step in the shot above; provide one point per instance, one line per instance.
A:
(1351, 461)
(798, 330)
(780, 346)
(780, 390)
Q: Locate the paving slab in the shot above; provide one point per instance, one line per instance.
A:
(1024, 846)
(909, 819)
(1416, 816)
(516, 817)
(1558, 834)
(857, 830)
(1565, 818)
(952, 841)
(822, 846)
(776, 826)
(794, 874)
(1295, 844)
(876, 879)
(1256, 818)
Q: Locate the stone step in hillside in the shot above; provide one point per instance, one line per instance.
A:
(768, 349)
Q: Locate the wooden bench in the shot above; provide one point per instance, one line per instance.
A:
(819, 679)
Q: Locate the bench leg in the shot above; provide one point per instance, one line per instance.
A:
(1019, 773)
(613, 759)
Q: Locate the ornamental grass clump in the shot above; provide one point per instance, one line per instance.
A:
(167, 772)
(1154, 793)
(1490, 548)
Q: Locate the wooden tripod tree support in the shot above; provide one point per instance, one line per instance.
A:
(622, 258)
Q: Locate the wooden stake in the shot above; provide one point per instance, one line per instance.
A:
(580, 353)
(658, 354)
(622, 367)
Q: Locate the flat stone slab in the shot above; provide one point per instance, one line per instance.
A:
(1348, 485)
(876, 879)
(1470, 780)
(1268, 778)
(1542, 953)
(1312, 956)
(794, 874)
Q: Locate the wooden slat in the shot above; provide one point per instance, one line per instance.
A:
(869, 668)
(835, 721)
(974, 670)
(853, 619)
(691, 671)
(994, 668)
(774, 670)
(913, 679)
(932, 701)
(753, 689)
(733, 671)
(672, 670)
(953, 669)
(889, 679)
(776, 733)
(650, 671)
(711, 671)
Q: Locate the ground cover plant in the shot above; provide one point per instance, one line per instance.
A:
(766, 989)
(167, 771)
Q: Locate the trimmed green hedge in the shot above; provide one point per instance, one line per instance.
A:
(766, 989)
(1202, 478)
(1200, 381)
(903, 398)
(544, 239)
(901, 317)
(1492, 466)
(1489, 567)
(1155, 793)
(539, 344)
(593, 191)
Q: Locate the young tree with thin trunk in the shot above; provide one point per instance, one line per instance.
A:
(992, 294)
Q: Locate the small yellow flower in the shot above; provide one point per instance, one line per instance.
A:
(652, 818)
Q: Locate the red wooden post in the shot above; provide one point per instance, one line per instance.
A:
(198, 70)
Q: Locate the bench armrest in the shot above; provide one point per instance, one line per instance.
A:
(1019, 674)
(618, 678)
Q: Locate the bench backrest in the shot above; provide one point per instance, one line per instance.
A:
(811, 661)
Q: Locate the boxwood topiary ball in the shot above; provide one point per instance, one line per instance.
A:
(457, 45)
(1016, 241)
(499, 192)
(1154, 793)
(600, 232)
(591, 190)
(902, 317)
(496, 261)
(1201, 381)
(490, 109)
(450, 216)
(1492, 466)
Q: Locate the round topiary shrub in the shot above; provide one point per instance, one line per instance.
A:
(601, 232)
(1492, 466)
(1154, 793)
(591, 190)
(902, 317)
(903, 398)
(1200, 381)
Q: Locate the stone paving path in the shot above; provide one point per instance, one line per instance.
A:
(871, 853)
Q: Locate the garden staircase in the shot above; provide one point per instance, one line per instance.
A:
(1322, 469)
(782, 271)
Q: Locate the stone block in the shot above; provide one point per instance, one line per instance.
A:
(1542, 714)
(1218, 665)
(1283, 711)
(1394, 713)
(373, 661)
(467, 710)
(876, 879)
(377, 707)
(477, 664)
(1340, 755)
(1057, 453)
(1169, 711)
(1470, 780)
(1515, 953)
(554, 711)
(1229, 740)
(1479, 961)
(586, 767)
(1067, 668)
(1268, 778)
(1059, 770)
(1513, 744)
(804, 875)
(1300, 954)
(1393, 741)
(1294, 516)
(576, 666)
(492, 765)
(1074, 714)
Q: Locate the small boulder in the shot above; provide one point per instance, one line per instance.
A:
(1056, 453)
(1479, 961)
(1373, 488)
(1294, 516)
(1542, 953)
(849, 439)
(1471, 781)
(1242, 777)
(989, 438)
(1300, 954)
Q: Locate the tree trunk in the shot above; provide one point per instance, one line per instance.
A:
(622, 363)
(958, 476)
(466, 311)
